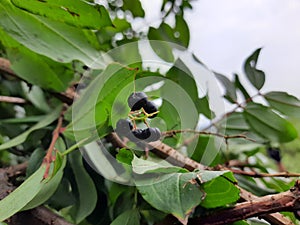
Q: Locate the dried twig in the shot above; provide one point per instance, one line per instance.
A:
(12, 99)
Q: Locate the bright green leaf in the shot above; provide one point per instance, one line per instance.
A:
(130, 217)
(220, 192)
(283, 102)
(254, 75)
(58, 41)
(268, 124)
(125, 156)
(171, 193)
(47, 119)
(76, 13)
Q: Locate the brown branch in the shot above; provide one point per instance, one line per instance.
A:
(9, 99)
(261, 175)
(174, 157)
(49, 158)
(286, 201)
(5, 67)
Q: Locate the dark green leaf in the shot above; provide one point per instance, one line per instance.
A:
(239, 85)
(268, 124)
(229, 87)
(220, 192)
(181, 31)
(171, 193)
(125, 156)
(134, 6)
(254, 75)
(48, 119)
(130, 217)
(283, 102)
(76, 13)
(87, 199)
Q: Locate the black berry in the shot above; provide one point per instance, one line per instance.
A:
(137, 100)
(148, 134)
(124, 127)
(274, 153)
(150, 108)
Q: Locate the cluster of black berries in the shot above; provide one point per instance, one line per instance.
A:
(124, 127)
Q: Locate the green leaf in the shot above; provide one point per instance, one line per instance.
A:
(154, 165)
(283, 102)
(56, 40)
(125, 156)
(171, 193)
(161, 48)
(47, 119)
(129, 217)
(255, 76)
(76, 13)
(181, 31)
(16, 200)
(49, 186)
(229, 87)
(220, 192)
(239, 86)
(204, 107)
(36, 96)
(29, 66)
(268, 124)
(87, 199)
(134, 6)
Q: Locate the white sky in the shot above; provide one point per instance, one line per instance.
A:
(225, 32)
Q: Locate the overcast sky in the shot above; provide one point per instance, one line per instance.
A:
(225, 32)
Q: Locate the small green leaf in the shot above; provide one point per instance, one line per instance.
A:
(134, 6)
(254, 75)
(229, 87)
(87, 199)
(268, 124)
(171, 193)
(239, 86)
(283, 102)
(129, 217)
(76, 13)
(161, 48)
(36, 96)
(47, 119)
(21, 196)
(220, 192)
(181, 31)
(125, 156)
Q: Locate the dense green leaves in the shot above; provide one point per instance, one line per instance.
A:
(268, 124)
(76, 13)
(283, 102)
(48, 119)
(254, 75)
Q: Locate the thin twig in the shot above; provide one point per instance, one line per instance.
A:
(49, 158)
(261, 175)
(9, 99)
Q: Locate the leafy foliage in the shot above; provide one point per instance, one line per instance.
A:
(74, 64)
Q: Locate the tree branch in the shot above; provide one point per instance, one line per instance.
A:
(286, 201)
(176, 158)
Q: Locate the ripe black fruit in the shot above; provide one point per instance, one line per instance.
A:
(124, 127)
(137, 100)
(149, 107)
(274, 153)
(149, 134)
